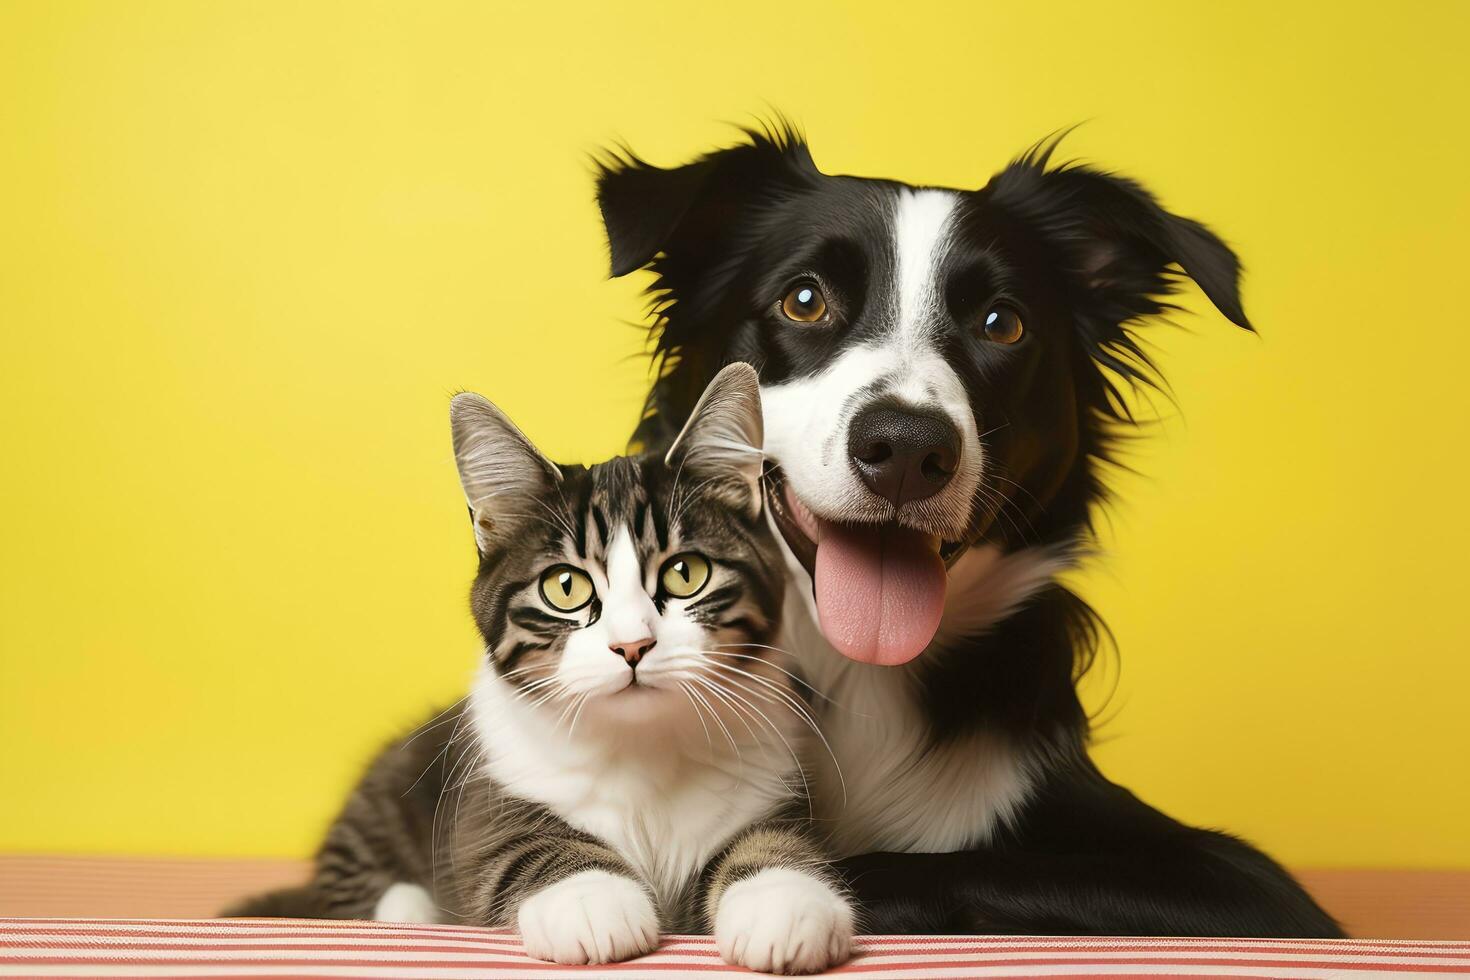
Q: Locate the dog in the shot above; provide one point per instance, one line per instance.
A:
(943, 374)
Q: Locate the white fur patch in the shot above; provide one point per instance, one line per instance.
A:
(783, 921)
(658, 782)
(628, 613)
(403, 902)
(590, 917)
(896, 791)
(986, 586)
(920, 237)
(806, 433)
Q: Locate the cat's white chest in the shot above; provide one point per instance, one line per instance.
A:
(665, 810)
(665, 818)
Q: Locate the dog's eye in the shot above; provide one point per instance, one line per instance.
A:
(1003, 325)
(684, 575)
(805, 303)
(565, 589)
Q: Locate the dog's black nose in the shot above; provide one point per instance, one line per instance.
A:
(903, 456)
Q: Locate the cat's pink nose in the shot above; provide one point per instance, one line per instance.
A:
(632, 652)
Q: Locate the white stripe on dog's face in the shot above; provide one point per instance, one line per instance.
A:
(807, 418)
(921, 233)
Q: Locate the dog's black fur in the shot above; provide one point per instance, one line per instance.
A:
(1086, 256)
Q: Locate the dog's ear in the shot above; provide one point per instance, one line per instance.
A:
(720, 446)
(688, 212)
(1121, 241)
(501, 472)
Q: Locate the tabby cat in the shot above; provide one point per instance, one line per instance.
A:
(627, 759)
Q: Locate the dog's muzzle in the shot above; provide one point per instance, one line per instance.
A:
(903, 455)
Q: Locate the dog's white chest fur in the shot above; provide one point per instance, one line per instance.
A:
(660, 799)
(898, 791)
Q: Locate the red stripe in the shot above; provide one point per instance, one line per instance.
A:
(855, 967)
(1184, 947)
(255, 927)
(114, 950)
(703, 949)
(942, 976)
(1145, 942)
(212, 928)
(474, 935)
(1193, 975)
(157, 937)
(364, 924)
(701, 946)
(207, 928)
(860, 967)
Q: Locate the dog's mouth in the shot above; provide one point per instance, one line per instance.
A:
(879, 588)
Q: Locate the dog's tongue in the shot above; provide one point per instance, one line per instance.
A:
(880, 591)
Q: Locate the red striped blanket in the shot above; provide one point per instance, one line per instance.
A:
(285, 948)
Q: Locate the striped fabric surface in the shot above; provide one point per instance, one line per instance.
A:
(289, 948)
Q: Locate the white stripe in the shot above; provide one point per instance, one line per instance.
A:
(412, 973)
(295, 927)
(368, 954)
(582, 973)
(471, 937)
(226, 930)
(1124, 953)
(267, 955)
(920, 236)
(510, 943)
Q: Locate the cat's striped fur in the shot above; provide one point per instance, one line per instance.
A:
(629, 766)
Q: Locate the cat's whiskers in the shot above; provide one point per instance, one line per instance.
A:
(518, 671)
(718, 692)
(457, 719)
(800, 709)
(788, 700)
(471, 771)
(431, 724)
(458, 732)
(572, 702)
(526, 690)
(785, 696)
(737, 701)
(581, 703)
(797, 678)
(734, 746)
(684, 687)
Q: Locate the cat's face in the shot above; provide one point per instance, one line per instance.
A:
(632, 587)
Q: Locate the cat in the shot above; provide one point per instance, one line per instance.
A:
(628, 758)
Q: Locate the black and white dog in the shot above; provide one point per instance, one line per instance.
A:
(941, 374)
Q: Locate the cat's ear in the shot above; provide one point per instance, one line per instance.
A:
(721, 442)
(501, 472)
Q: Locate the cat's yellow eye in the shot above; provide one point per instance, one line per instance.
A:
(684, 575)
(565, 589)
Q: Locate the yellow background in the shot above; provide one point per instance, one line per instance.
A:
(247, 251)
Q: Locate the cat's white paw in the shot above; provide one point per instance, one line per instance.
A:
(403, 902)
(590, 917)
(783, 921)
